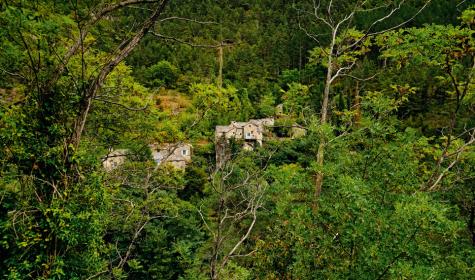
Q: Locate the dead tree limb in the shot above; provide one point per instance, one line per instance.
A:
(95, 17)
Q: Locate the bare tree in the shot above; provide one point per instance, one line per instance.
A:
(461, 89)
(240, 194)
(340, 45)
(135, 213)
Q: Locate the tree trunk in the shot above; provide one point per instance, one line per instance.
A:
(107, 69)
(323, 121)
(220, 61)
(357, 118)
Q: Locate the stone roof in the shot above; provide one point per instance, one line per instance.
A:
(259, 124)
(171, 152)
(114, 159)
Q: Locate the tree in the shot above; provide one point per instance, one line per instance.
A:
(339, 52)
(454, 61)
(59, 199)
(374, 222)
(151, 233)
(162, 73)
(238, 191)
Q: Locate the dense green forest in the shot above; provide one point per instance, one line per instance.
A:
(360, 161)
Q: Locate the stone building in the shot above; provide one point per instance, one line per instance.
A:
(279, 110)
(176, 154)
(114, 159)
(252, 133)
(297, 131)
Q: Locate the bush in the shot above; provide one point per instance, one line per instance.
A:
(161, 74)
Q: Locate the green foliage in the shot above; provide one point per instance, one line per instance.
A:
(346, 40)
(468, 16)
(220, 106)
(147, 209)
(381, 213)
(71, 221)
(267, 105)
(296, 99)
(162, 73)
(434, 45)
(372, 220)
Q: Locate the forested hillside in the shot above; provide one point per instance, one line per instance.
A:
(258, 139)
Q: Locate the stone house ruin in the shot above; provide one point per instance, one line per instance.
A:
(176, 154)
(297, 131)
(252, 133)
(114, 159)
(247, 131)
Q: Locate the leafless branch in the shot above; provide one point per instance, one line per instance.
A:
(177, 40)
(360, 79)
(105, 70)
(312, 36)
(243, 255)
(341, 70)
(316, 8)
(243, 238)
(11, 73)
(457, 155)
(461, 3)
(187, 19)
(373, 9)
(122, 105)
(204, 221)
(404, 22)
(97, 274)
(368, 32)
(95, 17)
